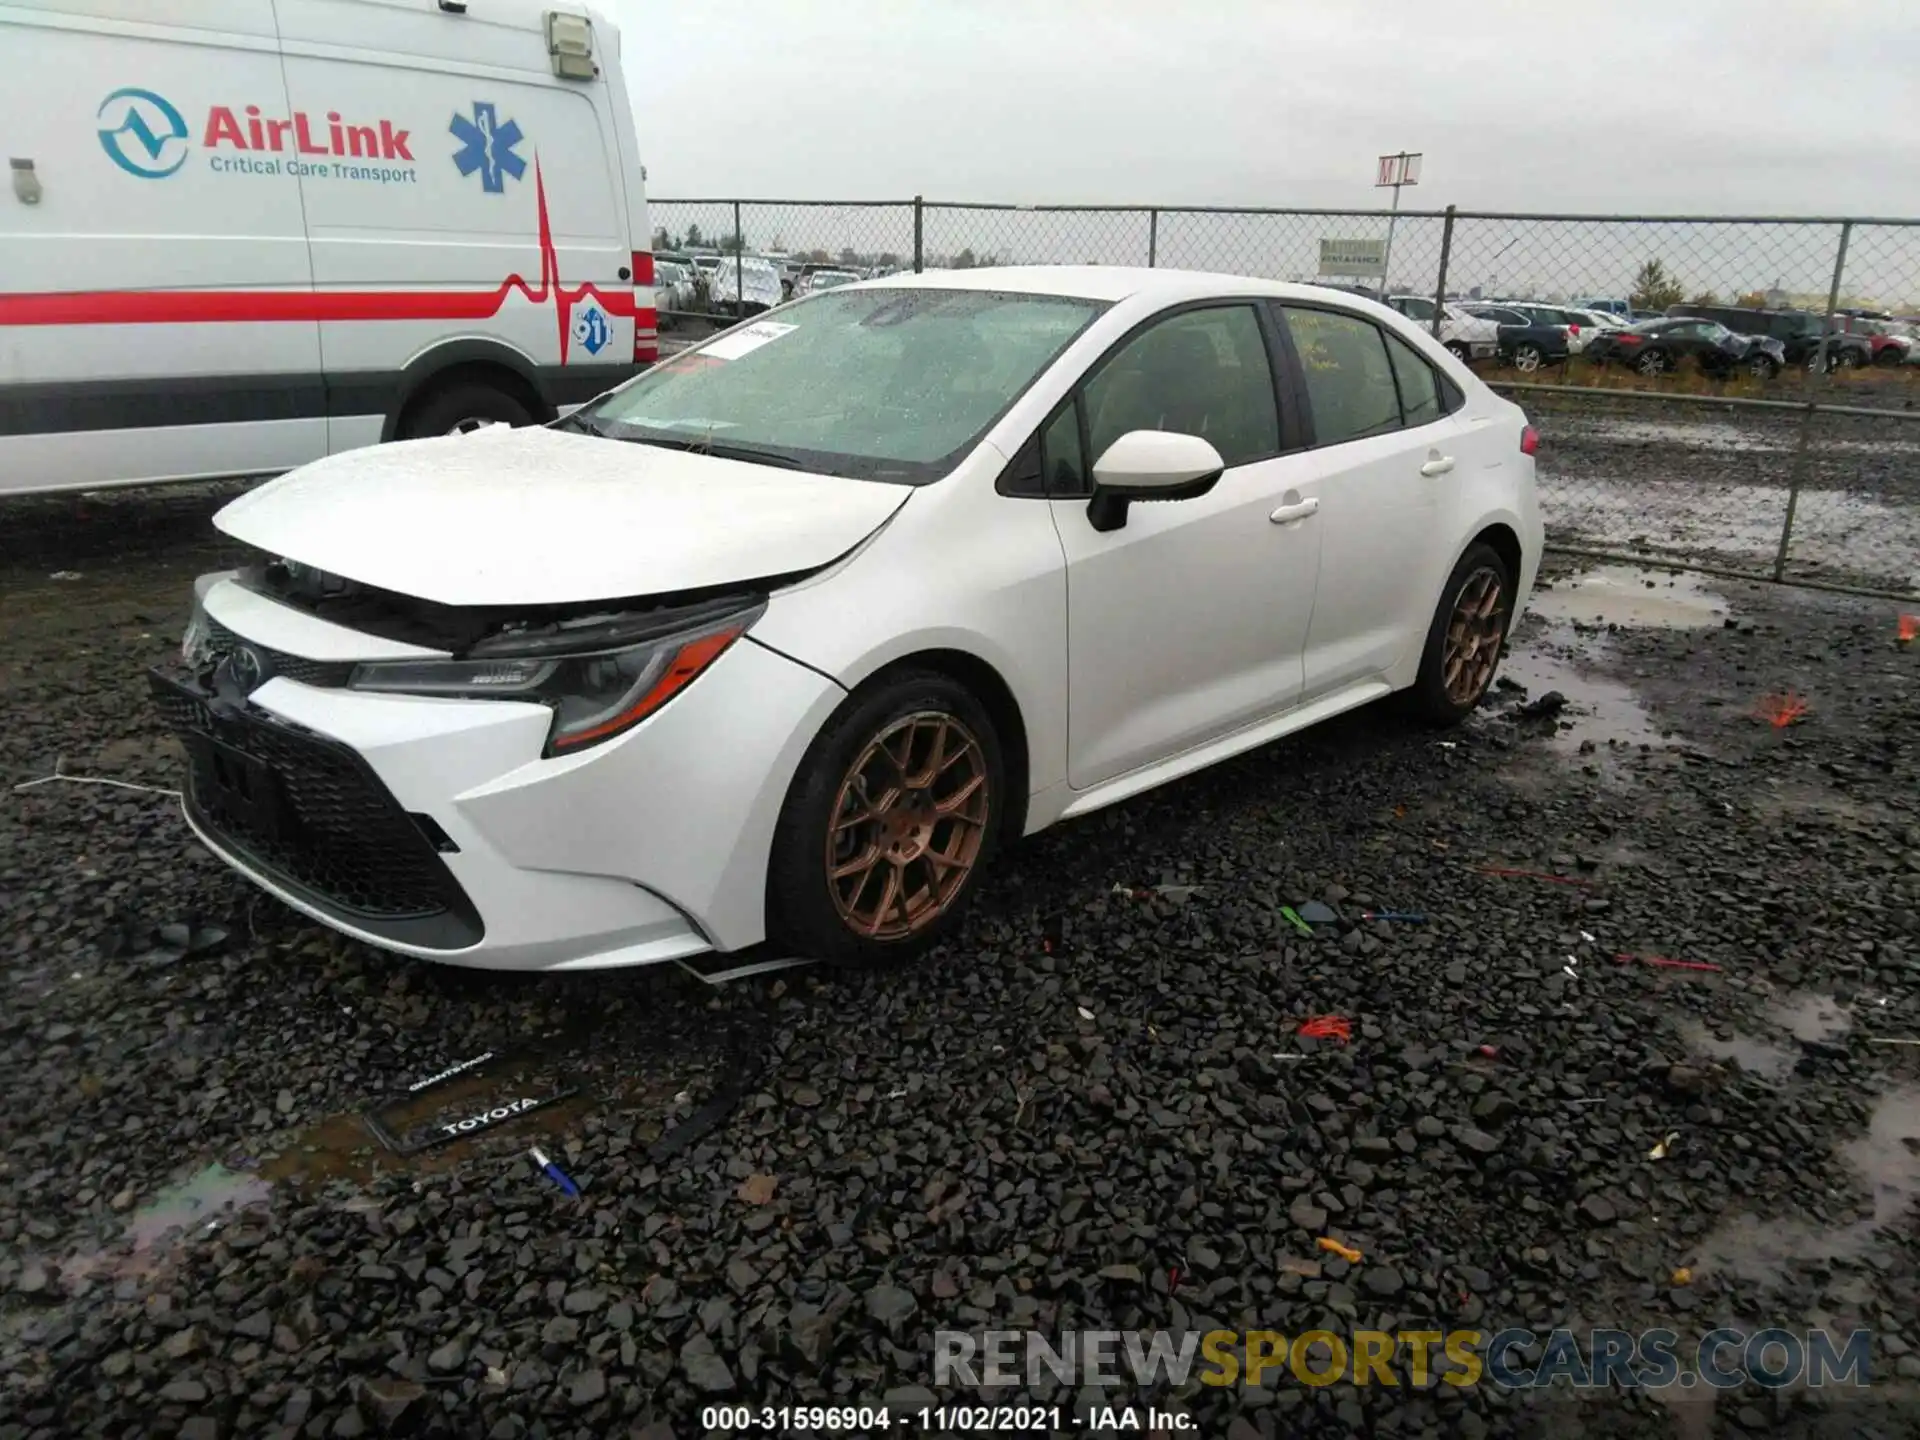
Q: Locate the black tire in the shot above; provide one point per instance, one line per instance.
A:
(1761, 367)
(1653, 362)
(803, 912)
(1889, 356)
(1528, 357)
(1459, 352)
(1430, 698)
(460, 406)
(1847, 360)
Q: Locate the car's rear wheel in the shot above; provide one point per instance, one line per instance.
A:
(1761, 367)
(1464, 640)
(1654, 362)
(1847, 360)
(1459, 352)
(1889, 356)
(1528, 357)
(892, 815)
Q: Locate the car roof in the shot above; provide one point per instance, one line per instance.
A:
(1105, 282)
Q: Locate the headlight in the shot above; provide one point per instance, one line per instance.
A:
(600, 677)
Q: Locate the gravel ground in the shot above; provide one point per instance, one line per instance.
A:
(1712, 486)
(791, 1182)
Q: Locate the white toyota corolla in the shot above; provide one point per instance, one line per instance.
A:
(782, 639)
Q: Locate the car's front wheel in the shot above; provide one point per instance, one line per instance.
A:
(1464, 639)
(888, 823)
(1761, 367)
(1459, 351)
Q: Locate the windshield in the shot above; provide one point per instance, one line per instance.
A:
(887, 384)
(827, 279)
(1416, 309)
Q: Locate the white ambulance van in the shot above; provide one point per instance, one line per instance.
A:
(244, 234)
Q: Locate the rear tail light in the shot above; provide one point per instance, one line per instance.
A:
(1625, 339)
(646, 317)
(1529, 441)
(1573, 329)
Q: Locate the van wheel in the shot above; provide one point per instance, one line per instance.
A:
(462, 407)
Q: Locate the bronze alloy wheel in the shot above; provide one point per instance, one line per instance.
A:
(907, 825)
(1474, 633)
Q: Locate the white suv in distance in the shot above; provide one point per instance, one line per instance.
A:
(1467, 336)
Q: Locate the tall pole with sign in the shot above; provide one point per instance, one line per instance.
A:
(1395, 170)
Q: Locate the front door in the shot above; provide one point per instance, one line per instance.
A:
(1189, 621)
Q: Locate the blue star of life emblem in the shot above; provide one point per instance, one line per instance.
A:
(591, 329)
(486, 145)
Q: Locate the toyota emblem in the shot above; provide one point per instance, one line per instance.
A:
(244, 668)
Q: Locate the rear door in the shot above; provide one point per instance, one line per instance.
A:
(458, 194)
(155, 305)
(1389, 439)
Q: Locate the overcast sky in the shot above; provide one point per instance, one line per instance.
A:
(1674, 106)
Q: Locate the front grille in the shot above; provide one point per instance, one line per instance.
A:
(312, 814)
(328, 674)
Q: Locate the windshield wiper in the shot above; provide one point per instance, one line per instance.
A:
(704, 445)
(587, 425)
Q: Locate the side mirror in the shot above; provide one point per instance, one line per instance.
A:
(1150, 465)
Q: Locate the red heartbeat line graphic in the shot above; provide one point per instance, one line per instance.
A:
(200, 307)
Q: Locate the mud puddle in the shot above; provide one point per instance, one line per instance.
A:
(1887, 1161)
(1805, 1018)
(1629, 596)
(489, 1112)
(1602, 718)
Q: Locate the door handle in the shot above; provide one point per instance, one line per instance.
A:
(1287, 514)
(1439, 465)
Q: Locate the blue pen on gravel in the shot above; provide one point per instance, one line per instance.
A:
(554, 1172)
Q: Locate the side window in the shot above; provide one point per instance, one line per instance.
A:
(1349, 380)
(1060, 454)
(1201, 372)
(1419, 387)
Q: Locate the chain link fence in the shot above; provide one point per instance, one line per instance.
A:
(1804, 466)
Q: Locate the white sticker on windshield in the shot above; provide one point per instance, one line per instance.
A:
(743, 342)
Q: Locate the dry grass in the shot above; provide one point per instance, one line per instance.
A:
(1875, 385)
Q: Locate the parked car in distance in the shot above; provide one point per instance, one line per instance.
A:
(1890, 342)
(673, 289)
(819, 280)
(786, 637)
(1598, 320)
(1575, 325)
(744, 285)
(1608, 307)
(1524, 342)
(1467, 336)
(1660, 347)
(1798, 331)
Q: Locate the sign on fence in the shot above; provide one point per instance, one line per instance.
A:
(1366, 259)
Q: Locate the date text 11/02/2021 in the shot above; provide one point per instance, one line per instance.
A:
(929, 1419)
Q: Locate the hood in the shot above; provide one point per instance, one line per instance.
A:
(540, 517)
